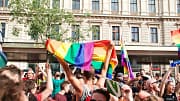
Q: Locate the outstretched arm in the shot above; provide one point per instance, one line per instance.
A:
(178, 83)
(164, 79)
(73, 80)
(49, 86)
(102, 78)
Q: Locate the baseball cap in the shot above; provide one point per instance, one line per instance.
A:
(146, 77)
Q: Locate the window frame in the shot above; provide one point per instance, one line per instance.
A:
(98, 32)
(115, 32)
(178, 6)
(76, 4)
(135, 34)
(95, 5)
(152, 35)
(152, 6)
(3, 29)
(113, 4)
(4, 3)
(74, 28)
(54, 28)
(133, 5)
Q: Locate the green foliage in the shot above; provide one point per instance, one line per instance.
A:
(40, 17)
(15, 31)
(45, 20)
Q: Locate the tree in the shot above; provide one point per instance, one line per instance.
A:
(43, 18)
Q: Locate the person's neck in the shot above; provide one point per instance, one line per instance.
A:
(152, 91)
(88, 82)
(62, 92)
(169, 93)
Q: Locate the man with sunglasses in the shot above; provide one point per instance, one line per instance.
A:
(152, 86)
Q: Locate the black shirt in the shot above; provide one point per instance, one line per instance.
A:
(171, 97)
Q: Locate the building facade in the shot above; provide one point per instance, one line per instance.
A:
(144, 25)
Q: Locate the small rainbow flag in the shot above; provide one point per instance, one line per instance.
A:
(175, 34)
(125, 62)
(84, 55)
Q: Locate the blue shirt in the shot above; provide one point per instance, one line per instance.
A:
(57, 86)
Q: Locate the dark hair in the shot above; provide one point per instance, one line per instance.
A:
(157, 74)
(63, 85)
(25, 75)
(138, 74)
(9, 90)
(13, 69)
(141, 69)
(28, 86)
(103, 92)
(62, 76)
(88, 74)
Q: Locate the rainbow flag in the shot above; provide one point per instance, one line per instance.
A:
(84, 55)
(176, 39)
(125, 62)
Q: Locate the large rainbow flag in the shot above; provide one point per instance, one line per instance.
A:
(84, 55)
(125, 62)
(175, 34)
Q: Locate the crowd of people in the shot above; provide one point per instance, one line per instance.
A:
(79, 85)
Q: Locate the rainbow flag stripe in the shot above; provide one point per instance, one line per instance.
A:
(83, 55)
(176, 37)
(125, 62)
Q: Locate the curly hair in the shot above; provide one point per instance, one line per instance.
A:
(9, 90)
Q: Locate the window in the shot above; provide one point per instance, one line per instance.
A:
(76, 4)
(133, 6)
(3, 28)
(114, 5)
(152, 6)
(75, 32)
(2, 31)
(95, 5)
(4, 3)
(115, 33)
(54, 31)
(135, 34)
(154, 35)
(96, 32)
(178, 6)
(55, 3)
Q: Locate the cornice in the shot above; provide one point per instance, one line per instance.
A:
(130, 18)
(95, 21)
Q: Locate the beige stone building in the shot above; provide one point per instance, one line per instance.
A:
(144, 25)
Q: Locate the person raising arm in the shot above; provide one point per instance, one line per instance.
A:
(85, 90)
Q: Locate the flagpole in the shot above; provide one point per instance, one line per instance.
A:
(151, 66)
(125, 60)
